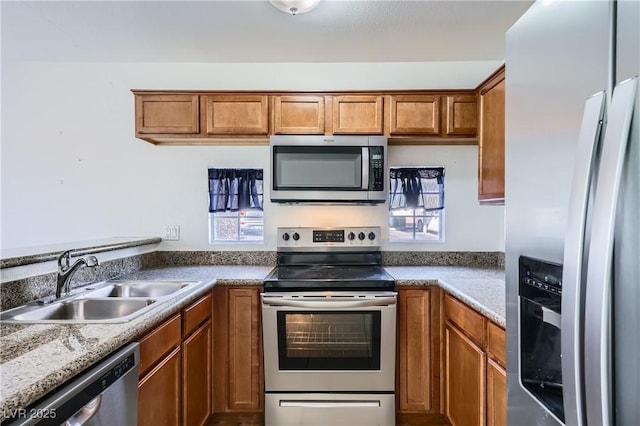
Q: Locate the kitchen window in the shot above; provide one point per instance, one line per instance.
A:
(235, 205)
(416, 204)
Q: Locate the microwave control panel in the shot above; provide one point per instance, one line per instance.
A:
(376, 168)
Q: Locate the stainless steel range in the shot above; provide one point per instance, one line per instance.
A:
(329, 330)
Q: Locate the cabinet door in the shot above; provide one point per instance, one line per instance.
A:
(414, 356)
(237, 115)
(298, 115)
(414, 115)
(167, 114)
(197, 385)
(464, 379)
(159, 393)
(462, 115)
(245, 382)
(496, 394)
(491, 141)
(357, 115)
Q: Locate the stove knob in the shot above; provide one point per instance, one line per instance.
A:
(285, 236)
(296, 236)
(372, 236)
(361, 236)
(351, 236)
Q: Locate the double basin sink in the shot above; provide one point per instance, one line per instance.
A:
(110, 301)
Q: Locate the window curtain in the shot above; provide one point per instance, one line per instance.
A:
(235, 189)
(416, 187)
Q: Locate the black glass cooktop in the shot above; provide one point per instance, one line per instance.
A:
(328, 277)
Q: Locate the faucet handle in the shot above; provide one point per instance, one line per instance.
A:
(64, 260)
(92, 261)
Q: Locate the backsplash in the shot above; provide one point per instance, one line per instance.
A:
(479, 259)
(19, 292)
(173, 258)
(16, 293)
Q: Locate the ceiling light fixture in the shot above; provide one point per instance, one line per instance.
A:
(294, 7)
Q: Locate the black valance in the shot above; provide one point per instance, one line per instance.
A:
(235, 189)
(416, 187)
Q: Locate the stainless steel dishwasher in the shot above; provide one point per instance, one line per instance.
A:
(105, 394)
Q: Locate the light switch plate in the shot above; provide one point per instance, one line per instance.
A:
(172, 232)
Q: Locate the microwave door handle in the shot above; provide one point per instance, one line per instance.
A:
(572, 279)
(597, 339)
(378, 301)
(365, 168)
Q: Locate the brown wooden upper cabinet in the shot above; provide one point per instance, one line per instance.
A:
(237, 115)
(414, 115)
(298, 115)
(167, 114)
(462, 116)
(491, 139)
(214, 117)
(357, 114)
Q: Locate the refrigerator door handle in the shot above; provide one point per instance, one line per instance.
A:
(572, 294)
(597, 338)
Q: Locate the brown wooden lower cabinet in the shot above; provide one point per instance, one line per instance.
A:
(175, 383)
(238, 363)
(196, 377)
(159, 393)
(496, 394)
(464, 379)
(474, 361)
(417, 385)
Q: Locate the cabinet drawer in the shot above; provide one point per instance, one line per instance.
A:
(468, 320)
(496, 343)
(196, 314)
(159, 342)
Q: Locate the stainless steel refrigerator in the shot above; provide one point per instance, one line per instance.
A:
(572, 214)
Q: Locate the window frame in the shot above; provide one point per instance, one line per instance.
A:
(425, 212)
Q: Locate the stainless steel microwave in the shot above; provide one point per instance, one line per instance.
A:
(328, 169)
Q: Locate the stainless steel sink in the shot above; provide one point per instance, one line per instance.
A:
(86, 310)
(109, 301)
(153, 289)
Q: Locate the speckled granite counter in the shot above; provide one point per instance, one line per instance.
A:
(35, 358)
(481, 288)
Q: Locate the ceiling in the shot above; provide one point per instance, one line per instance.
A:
(254, 31)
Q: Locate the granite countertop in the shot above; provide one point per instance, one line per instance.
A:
(35, 358)
(481, 288)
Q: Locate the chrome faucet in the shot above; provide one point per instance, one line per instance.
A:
(66, 270)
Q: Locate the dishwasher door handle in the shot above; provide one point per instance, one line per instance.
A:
(330, 304)
(85, 413)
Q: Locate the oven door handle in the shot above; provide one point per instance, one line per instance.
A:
(378, 301)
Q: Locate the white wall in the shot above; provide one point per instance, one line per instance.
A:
(72, 169)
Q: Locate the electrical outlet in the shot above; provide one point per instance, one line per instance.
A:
(172, 232)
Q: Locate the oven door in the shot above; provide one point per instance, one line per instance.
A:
(329, 341)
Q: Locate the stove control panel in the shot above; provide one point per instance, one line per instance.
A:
(312, 238)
